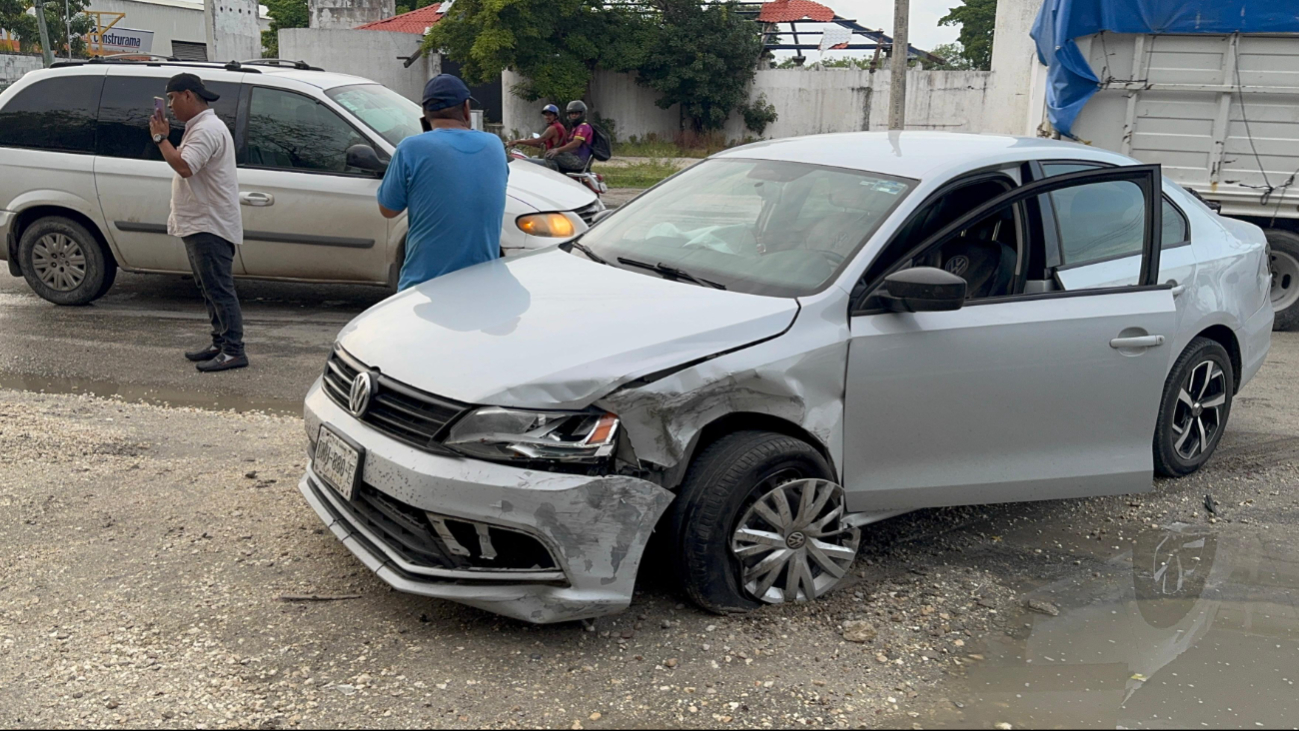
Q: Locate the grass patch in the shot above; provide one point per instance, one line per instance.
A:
(656, 149)
(637, 175)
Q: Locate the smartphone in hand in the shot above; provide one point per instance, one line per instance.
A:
(159, 107)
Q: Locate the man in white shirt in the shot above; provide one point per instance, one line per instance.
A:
(205, 213)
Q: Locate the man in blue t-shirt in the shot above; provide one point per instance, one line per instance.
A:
(452, 181)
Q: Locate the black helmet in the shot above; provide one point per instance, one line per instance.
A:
(579, 107)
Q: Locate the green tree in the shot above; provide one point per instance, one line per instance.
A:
(15, 21)
(701, 56)
(553, 44)
(977, 19)
(284, 14)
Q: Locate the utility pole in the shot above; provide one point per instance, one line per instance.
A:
(46, 52)
(898, 65)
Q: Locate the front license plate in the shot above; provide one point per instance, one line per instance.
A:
(337, 462)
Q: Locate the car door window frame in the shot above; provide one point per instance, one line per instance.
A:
(1148, 179)
(245, 119)
(1037, 171)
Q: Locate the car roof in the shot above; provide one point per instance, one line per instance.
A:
(212, 71)
(918, 154)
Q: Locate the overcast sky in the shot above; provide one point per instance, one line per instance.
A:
(925, 30)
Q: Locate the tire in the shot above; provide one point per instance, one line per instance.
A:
(1176, 452)
(722, 487)
(64, 263)
(1283, 259)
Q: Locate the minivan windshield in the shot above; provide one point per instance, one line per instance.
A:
(781, 229)
(391, 115)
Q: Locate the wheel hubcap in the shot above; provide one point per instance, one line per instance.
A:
(1285, 280)
(792, 543)
(1197, 418)
(59, 262)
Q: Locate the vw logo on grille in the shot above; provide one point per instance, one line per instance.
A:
(359, 398)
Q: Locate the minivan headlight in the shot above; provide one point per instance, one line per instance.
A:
(493, 433)
(557, 225)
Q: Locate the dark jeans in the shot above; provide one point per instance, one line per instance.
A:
(212, 260)
(564, 162)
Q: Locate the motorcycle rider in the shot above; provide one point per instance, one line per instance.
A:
(553, 136)
(573, 155)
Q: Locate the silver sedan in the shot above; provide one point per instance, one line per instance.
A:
(775, 348)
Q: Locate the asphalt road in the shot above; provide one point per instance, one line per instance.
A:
(131, 342)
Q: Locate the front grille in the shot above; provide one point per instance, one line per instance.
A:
(415, 536)
(399, 411)
(587, 213)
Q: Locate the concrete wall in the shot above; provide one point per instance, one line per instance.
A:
(369, 53)
(1018, 88)
(12, 67)
(232, 30)
(347, 14)
(808, 101)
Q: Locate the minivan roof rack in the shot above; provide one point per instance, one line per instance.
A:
(151, 60)
(299, 65)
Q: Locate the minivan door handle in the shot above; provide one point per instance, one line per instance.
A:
(1143, 341)
(257, 199)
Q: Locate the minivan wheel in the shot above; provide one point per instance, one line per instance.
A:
(1194, 409)
(63, 263)
(759, 521)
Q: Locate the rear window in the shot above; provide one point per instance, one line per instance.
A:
(55, 114)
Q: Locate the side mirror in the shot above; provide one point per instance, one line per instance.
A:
(923, 289)
(365, 158)
(601, 215)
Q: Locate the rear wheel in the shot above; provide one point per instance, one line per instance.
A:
(759, 521)
(1194, 410)
(1283, 260)
(64, 263)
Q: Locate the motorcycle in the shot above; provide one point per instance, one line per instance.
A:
(593, 181)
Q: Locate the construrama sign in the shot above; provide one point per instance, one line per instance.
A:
(125, 40)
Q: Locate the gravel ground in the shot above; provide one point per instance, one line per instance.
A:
(147, 552)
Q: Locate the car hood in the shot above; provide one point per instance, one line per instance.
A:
(552, 330)
(545, 189)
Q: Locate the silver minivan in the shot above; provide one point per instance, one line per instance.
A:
(84, 191)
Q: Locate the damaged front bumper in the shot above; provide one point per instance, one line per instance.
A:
(534, 545)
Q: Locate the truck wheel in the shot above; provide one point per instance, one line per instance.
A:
(1194, 409)
(64, 263)
(759, 521)
(1284, 263)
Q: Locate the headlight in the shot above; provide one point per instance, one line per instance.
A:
(557, 225)
(583, 437)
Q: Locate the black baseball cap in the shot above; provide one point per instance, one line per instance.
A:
(445, 90)
(190, 82)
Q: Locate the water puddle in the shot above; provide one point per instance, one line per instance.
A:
(1189, 629)
(149, 394)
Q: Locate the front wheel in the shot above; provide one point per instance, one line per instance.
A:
(1194, 409)
(759, 521)
(1283, 260)
(64, 263)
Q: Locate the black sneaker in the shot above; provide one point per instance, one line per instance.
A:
(207, 353)
(223, 362)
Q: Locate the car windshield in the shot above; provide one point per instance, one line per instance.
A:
(381, 109)
(781, 229)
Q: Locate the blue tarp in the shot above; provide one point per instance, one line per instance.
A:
(1070, 80)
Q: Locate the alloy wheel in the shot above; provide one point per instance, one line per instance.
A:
(1285, 279)
(1198, 417)
(59, 262)
(793, 544)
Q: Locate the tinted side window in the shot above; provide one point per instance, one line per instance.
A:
(53, 114)
(294, 132)
(1100, 221)
(125, 109)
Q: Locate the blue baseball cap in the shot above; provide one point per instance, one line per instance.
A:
(445, 90)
